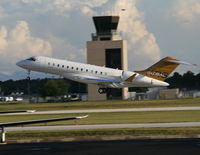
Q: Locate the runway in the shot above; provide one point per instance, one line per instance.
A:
(116, 147)
(110, 110)
(104, 126)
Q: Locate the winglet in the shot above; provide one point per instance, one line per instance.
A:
(80, 117)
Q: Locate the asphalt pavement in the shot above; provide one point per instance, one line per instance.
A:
(109, 110)
(119, 147)
(103, 126)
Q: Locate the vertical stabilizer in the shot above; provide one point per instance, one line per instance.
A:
(162, 69)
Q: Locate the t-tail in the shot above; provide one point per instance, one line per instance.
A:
(162, 69)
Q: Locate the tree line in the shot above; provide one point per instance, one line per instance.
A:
(42, 87)
(187, 81)
(62, 86)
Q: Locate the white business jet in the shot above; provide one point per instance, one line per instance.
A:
(104, 77)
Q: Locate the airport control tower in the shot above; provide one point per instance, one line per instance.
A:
(107, 49)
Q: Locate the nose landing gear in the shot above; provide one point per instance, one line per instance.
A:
(28, 84)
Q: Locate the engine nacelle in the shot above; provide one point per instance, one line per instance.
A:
(126, 74)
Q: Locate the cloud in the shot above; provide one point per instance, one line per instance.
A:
(3, 35)
(186, 11)
(67, 26)
(64, 7)
(2, 12)
(66, 50)
(141, 43)
(17, 43)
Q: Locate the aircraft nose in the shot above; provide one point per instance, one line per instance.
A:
(21, 63)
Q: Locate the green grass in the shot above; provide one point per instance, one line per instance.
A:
(107, 118)
(101, 104)
(104, 132)
(115, 118)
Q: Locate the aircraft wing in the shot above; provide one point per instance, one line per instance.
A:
(98, 80)
(9, 124)
(16, 111)
(93, 79)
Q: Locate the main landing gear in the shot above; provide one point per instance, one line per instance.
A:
(102, 90)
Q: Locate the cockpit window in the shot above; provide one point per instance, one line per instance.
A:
(31, 59)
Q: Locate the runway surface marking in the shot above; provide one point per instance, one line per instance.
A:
(110, 110)
(105, 126)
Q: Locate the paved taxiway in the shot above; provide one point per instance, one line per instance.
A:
(104, 126)
(110, 110)
(119, 147)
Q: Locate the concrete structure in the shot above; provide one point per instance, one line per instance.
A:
(107, 49)
(169, 93)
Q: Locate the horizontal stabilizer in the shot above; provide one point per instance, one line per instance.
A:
(17, 111)
(40, 121)
(181, 62)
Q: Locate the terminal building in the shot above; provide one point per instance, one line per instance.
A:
(107, 49)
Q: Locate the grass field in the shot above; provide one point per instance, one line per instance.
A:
(101, 104)
(104, 133)
(116, 118)
(107, 118)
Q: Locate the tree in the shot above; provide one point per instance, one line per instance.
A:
(55, 87)
(189, 80)
(175, 80)
(197, 79)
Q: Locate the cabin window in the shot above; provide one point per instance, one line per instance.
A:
(77, 68)
(31, 59)
(58, 65)
(53, 64)
(81, 69)
(86, 70)
(72, 67)
(67, 66)
(101, 72)
(63, 66)
(96, 72)
(91, 71)
(49, 63)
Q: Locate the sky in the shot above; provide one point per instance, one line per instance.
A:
(60, 28)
